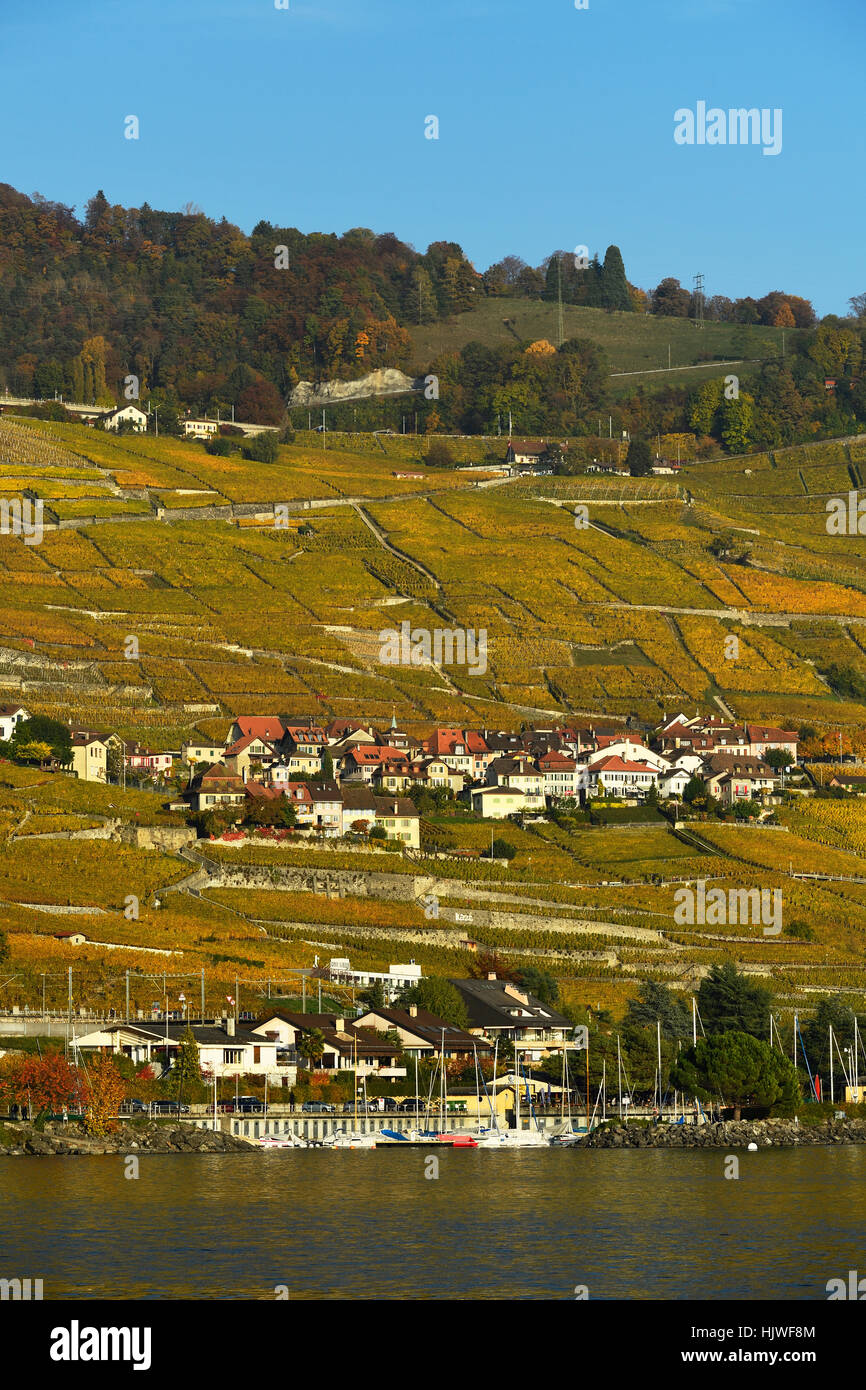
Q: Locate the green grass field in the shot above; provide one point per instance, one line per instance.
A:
(632, 342)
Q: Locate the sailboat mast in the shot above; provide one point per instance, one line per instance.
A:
(619, 1075)
(659, 1042)
(832, 1091)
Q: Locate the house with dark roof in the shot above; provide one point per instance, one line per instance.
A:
(215, 786)
(500, 1009)
(346, 1047)
(423, 1034)
(10, 715)
(223, 1048)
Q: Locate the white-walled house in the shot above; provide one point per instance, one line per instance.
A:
(224, 1050)
(209, 753)
(200, 429)
(10, 715)
(614, 776)
(627, 750)
(497, 803)
(126, 415)
(563, 777)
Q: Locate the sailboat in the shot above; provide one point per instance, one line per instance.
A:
(355, 1139)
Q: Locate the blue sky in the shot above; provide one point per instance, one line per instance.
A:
(556, 124)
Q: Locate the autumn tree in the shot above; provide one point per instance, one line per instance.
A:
(104, 1090)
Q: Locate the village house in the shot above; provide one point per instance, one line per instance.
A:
(519, 774)
(423, 1034)
(303, 748)
(201, 753)
(615, 776)
(216, 786)
(497, 803)
(763, 739)
(327, 808)
(89, 756)
(126, 415)
(562, 776)
(248, 753)
(434, 772)
(146, 760)
(500, 1009)
(224, 1050)
(200, 429)
(451, 747)
(365, 763)
(398, 977)
(10, 715)
(849, 782)
(266, 726)
(344, 1046)
(397, 816)
(732, 777)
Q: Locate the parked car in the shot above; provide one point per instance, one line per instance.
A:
(135, 1107)
(316, 1107)
(169, 1107)
(243, 1105)
(413, 1103)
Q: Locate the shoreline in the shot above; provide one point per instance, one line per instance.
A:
(59, 1140)
(727, 1134)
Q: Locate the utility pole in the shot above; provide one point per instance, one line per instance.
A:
(127, 996)
(559, 323)
(699, 301)
(202, 996)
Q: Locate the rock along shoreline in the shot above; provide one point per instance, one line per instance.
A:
(22, 1139)
(730, 1134)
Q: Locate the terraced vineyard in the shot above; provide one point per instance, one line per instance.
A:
(630, 615)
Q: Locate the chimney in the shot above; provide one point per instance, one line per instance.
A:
(339, 1025)
(413, 1010)
(229, 1025)
(491, 975)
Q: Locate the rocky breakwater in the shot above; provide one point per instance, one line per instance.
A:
(733, 1134)
(70, 1139)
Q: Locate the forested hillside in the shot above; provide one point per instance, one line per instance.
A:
(208, 318)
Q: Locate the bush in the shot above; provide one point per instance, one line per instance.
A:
(263, 448)
(501, 849)
(219, 445)
(439, 455)
(801, 931)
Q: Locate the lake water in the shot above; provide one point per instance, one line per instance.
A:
(368, 1224)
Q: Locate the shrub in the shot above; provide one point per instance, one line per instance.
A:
(263, 448)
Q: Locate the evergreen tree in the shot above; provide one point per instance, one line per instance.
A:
(656, 1003)
(614, 285)
(743, 1069)
(639, 458)
(186, 1072)
(729, 1002)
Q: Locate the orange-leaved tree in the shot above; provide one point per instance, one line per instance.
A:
(104, 1089)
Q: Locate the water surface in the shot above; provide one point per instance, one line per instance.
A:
(358, 1224)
